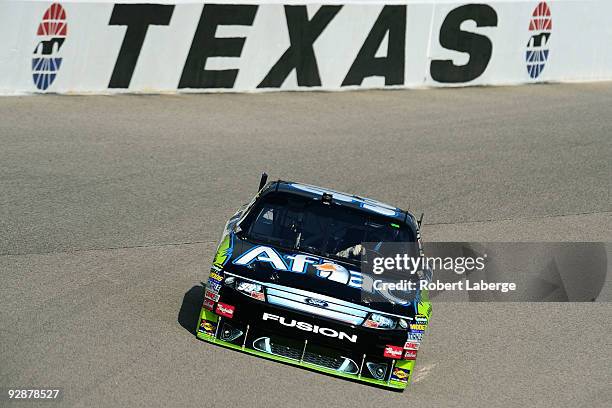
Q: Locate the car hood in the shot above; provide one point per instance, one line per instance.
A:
(302, 270)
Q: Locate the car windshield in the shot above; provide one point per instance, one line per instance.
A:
(297, 222)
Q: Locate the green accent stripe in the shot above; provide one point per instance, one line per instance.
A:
(211, 339)
(208, 315)
(407, 364)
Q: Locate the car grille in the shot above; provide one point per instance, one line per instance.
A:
(315, 304)
(339, 363)
(285, 351)
(324, 361)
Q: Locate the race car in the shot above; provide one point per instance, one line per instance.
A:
(288, 283)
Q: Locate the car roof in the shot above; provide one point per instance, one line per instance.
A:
(345, 199)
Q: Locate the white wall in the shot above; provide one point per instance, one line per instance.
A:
(579, 45)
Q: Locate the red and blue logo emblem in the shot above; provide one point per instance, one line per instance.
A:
(51, 34)
(540, 27)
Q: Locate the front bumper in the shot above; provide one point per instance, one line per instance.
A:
(316, 343)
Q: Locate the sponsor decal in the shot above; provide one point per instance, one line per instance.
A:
(416, 336)
(393, 352)
(299, 263)
(311, 328)
(371, 323)
(540, 28)
(418, 327)
(208, 304)
(410, 355)
(213, 285)
(256, 295)
(225, 310)
(421, 319)
(208, 327)
(411, 345)
(262, 254)
(400, 374)
(211, 295)
(215, 277)
(333, 272)
(46, 58)
(316, 302)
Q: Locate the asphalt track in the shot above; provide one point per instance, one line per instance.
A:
(110, 208)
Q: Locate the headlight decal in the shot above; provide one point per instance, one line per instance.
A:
(254, 290)
(378, 321)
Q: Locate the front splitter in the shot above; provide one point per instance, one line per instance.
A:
(391, 383)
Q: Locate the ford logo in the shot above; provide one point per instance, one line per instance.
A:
(316, 302)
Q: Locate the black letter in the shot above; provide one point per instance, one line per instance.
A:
(393, 20)
(137, 18)
(478, 46)
(300, 55)
(205, 45)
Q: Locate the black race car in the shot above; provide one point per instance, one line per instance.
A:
(287, 283)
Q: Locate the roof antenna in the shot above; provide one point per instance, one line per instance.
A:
(262, 181)
(420, 221)
(326, 198)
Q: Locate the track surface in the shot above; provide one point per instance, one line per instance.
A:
(110, 208)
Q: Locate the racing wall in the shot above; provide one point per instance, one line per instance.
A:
(98, 46)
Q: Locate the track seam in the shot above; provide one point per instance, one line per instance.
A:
(175, 244)
(543, 217)
(76, 250)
